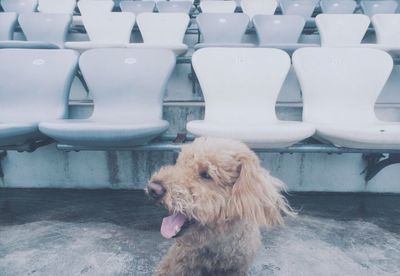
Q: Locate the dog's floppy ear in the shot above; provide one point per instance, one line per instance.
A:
(256, 194)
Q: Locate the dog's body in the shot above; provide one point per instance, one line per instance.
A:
(218, 196)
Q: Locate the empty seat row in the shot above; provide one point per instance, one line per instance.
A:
(240, 88)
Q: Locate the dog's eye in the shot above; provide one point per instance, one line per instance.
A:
(205, 175)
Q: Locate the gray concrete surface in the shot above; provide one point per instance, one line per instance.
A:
(116, 232)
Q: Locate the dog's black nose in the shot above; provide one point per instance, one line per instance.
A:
(156, 190)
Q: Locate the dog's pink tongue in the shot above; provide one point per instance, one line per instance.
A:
(171, 224)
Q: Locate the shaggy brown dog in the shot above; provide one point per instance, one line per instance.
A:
(218, 195)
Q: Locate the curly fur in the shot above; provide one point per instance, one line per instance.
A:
(228, 209)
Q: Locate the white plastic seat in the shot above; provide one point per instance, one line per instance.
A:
(34, 87)
(303, 8)
(371, 7)
(254, 7)
(19, 6)
(137, 7)
(342, 29)
(8, 21)
(217, 6)
(387, 32)
(280, 31)
(240, 88)
(105, 30)
(95, 6)
(59, 6)
(340, 87)
(127, 87)
(45, 27)
(338, 6)
(222, 29)
(174, 6)
(162, 30)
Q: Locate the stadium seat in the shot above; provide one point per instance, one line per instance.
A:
(387, 32)
(280, 31)
(222, 29)
(303, 8)
(59, 6)
(174, 6)
(163, 30)
(95, 6)
(371, 7)
(240, 88)
(217, 6)
(254, 7)
(110, 29)
(127, 87)
(342, 29)
(338, 6)
(34, 88)
(137, 7)
(340, 87)
(19, 6)
(8, 21)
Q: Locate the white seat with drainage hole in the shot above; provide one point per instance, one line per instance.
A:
(371, 7)
(222, 29)
(240, 88)
(8, 22)
(342, 29)
(254, 7)
(128, 86)
(218, 6)
(163, 30)
(34, 87)
(59, 6)
(303, 8)
(137, 7)
(387, 32)
(105, 30)
(338, 6)
(280, 31)
(174, 6)
(340, 87)
(19, 6)
(95, 6)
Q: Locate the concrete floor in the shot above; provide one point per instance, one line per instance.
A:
(116, 232)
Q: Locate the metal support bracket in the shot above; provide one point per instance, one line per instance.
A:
(377, 162)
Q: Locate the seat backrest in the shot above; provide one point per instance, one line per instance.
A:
(8, 21)
(35, 84)
(109, 27)
(253, 7)
(137, 7)
(19, 6)
(338, 6)
(163, 28)
(278, 28)
(217, 6)
(341, 85)
(387, 28)
(95, 6)
(236, 79)
(59, 6)
(371, 7)
(303, 8)
(174, 6)
(342, 29)
(222, 27)
(127, 85)
(48, 27)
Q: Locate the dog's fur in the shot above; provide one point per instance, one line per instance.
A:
(228, 206)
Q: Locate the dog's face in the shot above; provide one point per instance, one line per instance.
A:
(214, 181)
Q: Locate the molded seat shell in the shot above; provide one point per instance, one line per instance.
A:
(303, 8)
(340, 87)
(387, 32)
(175, 6)
(128, 86)
(254, 7)
(217, 6)
(34, 86)
(137, 7)
(59, 6)
(371, 7)
(240, 88)
(338, 6)
(8, 21)
(19, 6)
(95, 6)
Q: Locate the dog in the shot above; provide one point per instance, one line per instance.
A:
(218, 196)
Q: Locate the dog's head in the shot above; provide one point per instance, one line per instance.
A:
(215, 181)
